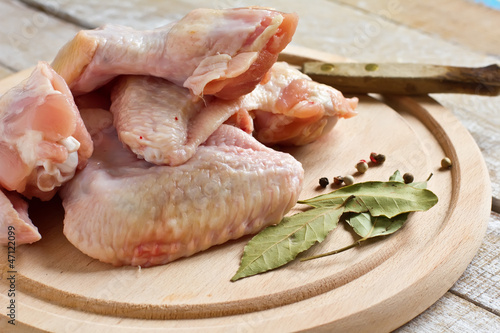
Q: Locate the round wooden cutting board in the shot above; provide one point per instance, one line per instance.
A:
(378, 286)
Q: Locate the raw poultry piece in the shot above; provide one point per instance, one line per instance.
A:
(289, 108)
(14, 213)
(160, 121)
(42, 138)
(126, 211)
(211, 52)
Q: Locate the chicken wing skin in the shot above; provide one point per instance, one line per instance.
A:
(126, 211)
(212, 52)
(163, 124)
(42, 137)
(160, 122)
(290, 109)
(14, 214)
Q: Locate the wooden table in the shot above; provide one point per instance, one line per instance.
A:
(452, 32)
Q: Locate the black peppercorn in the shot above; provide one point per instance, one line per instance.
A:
(323, 182)
(408, 178)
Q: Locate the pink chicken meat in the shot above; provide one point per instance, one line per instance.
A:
(211, 52)
(291, 109)
(43, 140)
(147, 215)
(160, 122)
(14, 214)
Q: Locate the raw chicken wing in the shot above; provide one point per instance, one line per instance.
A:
(160, 121)
(126, 211)
(14, 214)
(42, 138)
(212, 52)
(289, 108)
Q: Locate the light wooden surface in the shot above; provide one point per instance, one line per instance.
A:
(441, 20)
(4, 72)
(364, 31)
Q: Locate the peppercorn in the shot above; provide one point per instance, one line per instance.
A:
(446, 163)
(377, 158)
(362, 166)
(338, 180)
(323, 182)
(348, 180)
(408, 178)
(380, 158)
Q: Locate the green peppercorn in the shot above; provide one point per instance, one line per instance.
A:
(348, 180)
(362, 166)
(408, 178)
(323, 182)
(446, 163)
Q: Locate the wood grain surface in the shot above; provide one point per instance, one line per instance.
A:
(414, 133)
(453, 314)
(479, 284)
(441, 20)
(29, 35)
(4, 72)
(363, 31)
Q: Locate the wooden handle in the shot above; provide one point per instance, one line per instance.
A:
(405, 78)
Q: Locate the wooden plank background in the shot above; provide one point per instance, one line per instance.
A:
(441, 20)
(453, 32)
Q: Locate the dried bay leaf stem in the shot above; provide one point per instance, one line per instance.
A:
(345, 248)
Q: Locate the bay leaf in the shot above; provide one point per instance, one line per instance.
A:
(367, 226)
(419, 184)
(397, 177)
(378, 198)
(277, 245)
